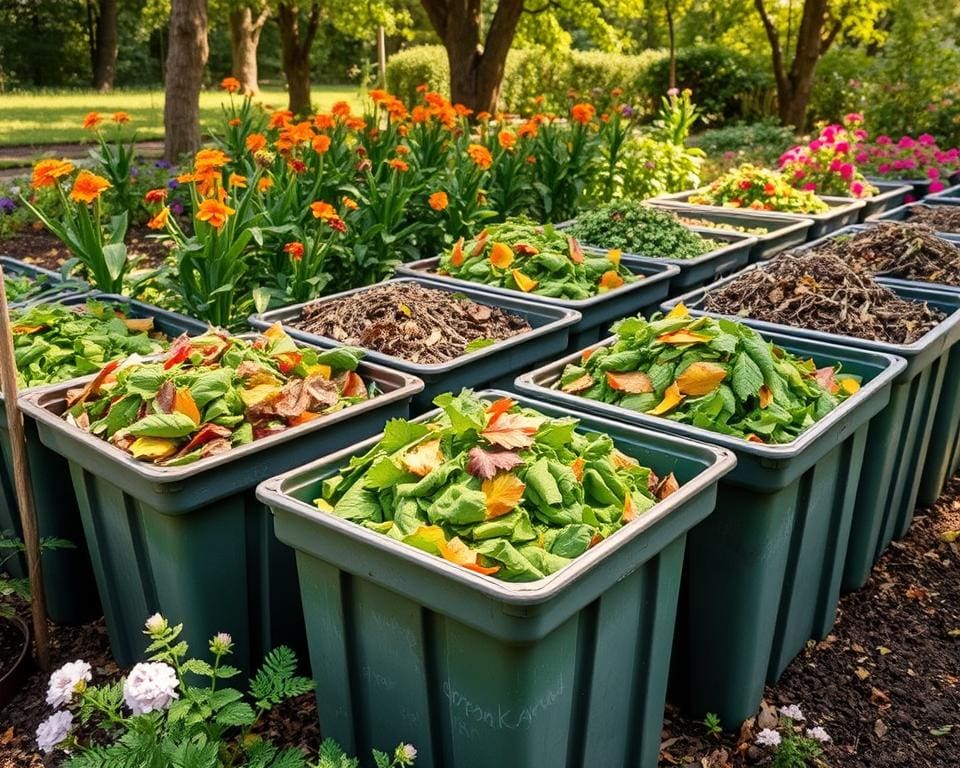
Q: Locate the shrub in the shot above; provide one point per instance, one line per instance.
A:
(414, 66)
(723, 81)
(759, 144)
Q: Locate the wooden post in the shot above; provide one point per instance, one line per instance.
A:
(21, 481)
(381, 56)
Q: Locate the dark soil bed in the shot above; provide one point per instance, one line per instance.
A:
(11, 644)
(885, 684)
(943, 218)
(42, 249)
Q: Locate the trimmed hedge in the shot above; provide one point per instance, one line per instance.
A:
(722, 81)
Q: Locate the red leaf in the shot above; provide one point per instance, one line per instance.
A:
(486, 464)
(93, 387)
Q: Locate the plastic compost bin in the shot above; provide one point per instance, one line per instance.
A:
(904, 213)
(899, 437)
(567, 671)
(919, 187)
(783, 231)
(843, 211)
(503, 360)
(597, 312)
(55, 284)
(950, 195)
(69, 586)
(763, 572)
(943, 454)
(192, 542)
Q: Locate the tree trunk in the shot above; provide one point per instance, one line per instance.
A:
(244, 40)
(671, 33)
(105, 47)
(296, 53)
(476, 70)
(186, 58)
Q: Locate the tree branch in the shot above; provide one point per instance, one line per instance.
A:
(437, 13)
(827, 41)
(779, 71)
(313, 24)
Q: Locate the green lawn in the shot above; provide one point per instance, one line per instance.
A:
(53, 118)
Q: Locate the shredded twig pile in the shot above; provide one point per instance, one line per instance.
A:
(410, 321)
(894, 249)
(943, 218)
(821, 293)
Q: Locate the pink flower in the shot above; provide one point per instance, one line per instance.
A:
(906, 142)
(936, 186)
(860, 134)
(810, 186)
(857, 188)
(926, 139)
(909, 164)
(799, 173)
(842, 147)
(673, 92)
(846, 171)
(882, 139)
(853, 118)
(933, 173)
(883, 168)
(862, 157)
(815, 145)
(835, 165)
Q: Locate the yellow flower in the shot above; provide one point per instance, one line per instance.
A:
(88, 187)
(160, 220)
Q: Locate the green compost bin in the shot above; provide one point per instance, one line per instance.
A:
(595, 313)
(762, 573)
(192, 542)
(565, 672)
(549, 336)
(899, 436)
(69, 586)
(54, 285)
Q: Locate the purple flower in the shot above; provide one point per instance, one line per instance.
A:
(176, 208)
(173, 183)
(163, 164)
(627, 111)
(7, 205)
(134, 172)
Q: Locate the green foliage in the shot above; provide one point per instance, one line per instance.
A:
(760, 143)
(712, 723)
(421, 64)
(636, 228)
(18, 589)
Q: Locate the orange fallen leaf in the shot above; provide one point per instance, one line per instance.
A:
(682, 337)
(274, 332)
(766, 396)
(502, 405)
(456, 255)
(577, 468)
(700, 378)
(751, 438)
(668, 486)
(610, 279)
(629, 511)
(580, 384)
(585, 355)
(423, 459)
(185, 404)
(501, 256)
(139, 324)
(503, 493)
(303, 418)
(621, 460)
(20, 329)
(672, 397)
(353, 386)
(480, 243)
(525, 249)
(455, 551)
(631, 382)
(524, 283)
(576, 251)
(512, 430)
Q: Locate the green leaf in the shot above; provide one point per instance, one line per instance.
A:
(747, 377)
(399, 433)
(236, 713)
(115, 257)
(341, 358)
(163, 425)
(473, 346)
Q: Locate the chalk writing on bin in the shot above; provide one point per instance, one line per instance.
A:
(503, 717)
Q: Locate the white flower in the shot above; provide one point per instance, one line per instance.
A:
(768, 738)
(793, 712)
(221, 643)
(818, 733)
(71, 678)
(53, 730)
(408, 752)
(150, 687)
(156, 624)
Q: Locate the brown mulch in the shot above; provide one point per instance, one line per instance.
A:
(885, 683)
(40, 248)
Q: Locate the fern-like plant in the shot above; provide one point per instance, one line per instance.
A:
(174, 711)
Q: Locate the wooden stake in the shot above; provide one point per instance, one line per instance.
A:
(21, 481)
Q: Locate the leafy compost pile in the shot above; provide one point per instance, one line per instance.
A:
(411, 321)
(711, 373)
(820, 292)
(499, 489)
(942, 218)
(523, 256)
(759, 189)
(23, 287)
(893, 249)
(214, 392)
(636, 228)
(53, 343)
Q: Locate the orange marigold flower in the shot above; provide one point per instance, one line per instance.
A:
(538, 100)
(462, 111)
(349, 203)
(528, 130)
(483, 116)
(321, 144)
(120, 117)
(396, 109)
(264, 184)
(323, 122)
(402, 149)
(295, 250)
(377, 95)
(230, 84)
(355, 123)
(336, 223)
(87, 187)
(422, 88)
(438, 201)
(156, 195)
(233, 122)
(92, 120)
(617, 92)
(280, 118)
(209, 159)
(46, 172)
(236, 180)
(159, 221)
(341, 109)
(480, 155)
(214, 213)
(322, 210)
(256, 142)
(398, 165)
(435, 100)
(420, 114)
(582, 113)
(507, 139)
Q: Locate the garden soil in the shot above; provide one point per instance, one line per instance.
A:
(42, 249)
(885, 684)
